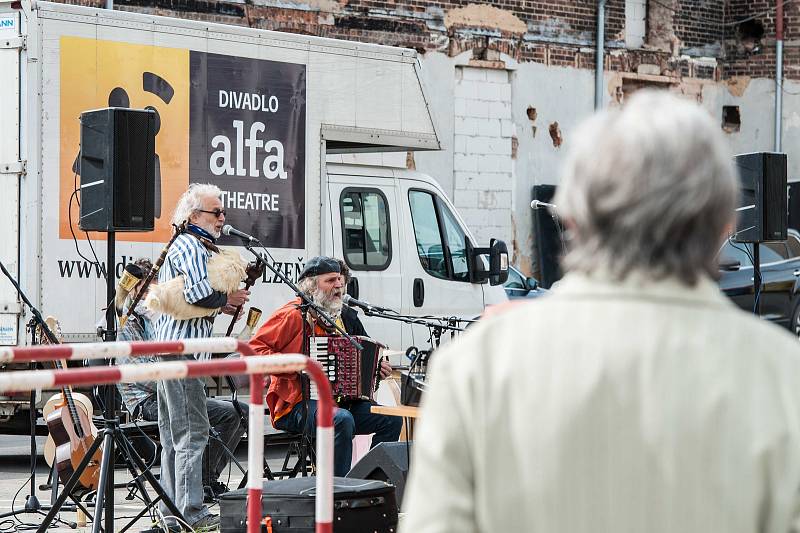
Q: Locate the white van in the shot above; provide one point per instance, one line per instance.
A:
(257, 113)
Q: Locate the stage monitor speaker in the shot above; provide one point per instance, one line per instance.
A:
(117, 170)
(763, 210)
(388, 461)
(549, 247)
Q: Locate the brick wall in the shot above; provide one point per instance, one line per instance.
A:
(699, 26)
(761, 62)
(553, 32)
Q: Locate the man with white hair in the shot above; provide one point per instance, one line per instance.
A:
(635, 396)
(182, 416)
(285, 332)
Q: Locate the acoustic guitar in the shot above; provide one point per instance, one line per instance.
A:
(69, 421)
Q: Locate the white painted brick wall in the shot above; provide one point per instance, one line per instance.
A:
(465, 198)
(490, 128)
(478, 74)
(483, 181)
(496, 76)
(482, 140)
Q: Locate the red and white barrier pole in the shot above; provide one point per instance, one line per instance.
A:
(254, 365)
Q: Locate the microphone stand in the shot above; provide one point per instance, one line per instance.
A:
(32, 504)
(441, 323)
(307, 302)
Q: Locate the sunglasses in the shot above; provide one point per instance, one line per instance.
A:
(215, 212)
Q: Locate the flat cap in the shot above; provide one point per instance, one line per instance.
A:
(320, 265)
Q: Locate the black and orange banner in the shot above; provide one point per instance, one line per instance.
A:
(238, 123)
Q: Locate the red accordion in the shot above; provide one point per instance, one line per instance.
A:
(354, 374)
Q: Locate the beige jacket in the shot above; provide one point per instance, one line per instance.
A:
(607, 407)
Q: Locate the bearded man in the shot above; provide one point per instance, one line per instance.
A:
(285, 332)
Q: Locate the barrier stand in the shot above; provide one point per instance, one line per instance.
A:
(255, 366)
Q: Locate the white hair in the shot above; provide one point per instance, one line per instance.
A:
(650, 188)
(192, 200)
(310, 286)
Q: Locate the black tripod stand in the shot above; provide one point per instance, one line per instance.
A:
(32, 505)
(108, 437)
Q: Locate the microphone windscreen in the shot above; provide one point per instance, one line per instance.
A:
(226, 229)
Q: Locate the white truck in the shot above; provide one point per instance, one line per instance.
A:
(264, 115)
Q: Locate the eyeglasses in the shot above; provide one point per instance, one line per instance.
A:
(216, 212)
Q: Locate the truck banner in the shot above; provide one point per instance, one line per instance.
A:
(238, 123)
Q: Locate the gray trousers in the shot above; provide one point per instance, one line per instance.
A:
(183, 428)
(225, 420)
(226, 429)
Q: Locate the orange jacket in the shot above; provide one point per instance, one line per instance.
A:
(282, 333)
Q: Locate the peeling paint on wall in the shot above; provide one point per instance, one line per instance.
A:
(738, 85)
(555, 134)
(485, 16)
(410, 163)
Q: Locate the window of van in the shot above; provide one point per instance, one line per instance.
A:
(441, 243)
(366, 237)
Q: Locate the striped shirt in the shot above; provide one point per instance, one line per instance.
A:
(187, 257)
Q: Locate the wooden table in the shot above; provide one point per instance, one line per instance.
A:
(408, 412)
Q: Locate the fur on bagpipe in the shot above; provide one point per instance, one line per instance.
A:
(226, 270)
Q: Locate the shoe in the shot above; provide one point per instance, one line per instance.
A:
(213, 491)
(208, 522)
(219, 488)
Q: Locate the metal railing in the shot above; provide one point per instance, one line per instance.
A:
(254, 365)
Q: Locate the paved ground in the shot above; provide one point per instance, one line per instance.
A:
(14, 486)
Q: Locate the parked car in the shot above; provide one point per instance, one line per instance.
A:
(780, 279)
(519, 286)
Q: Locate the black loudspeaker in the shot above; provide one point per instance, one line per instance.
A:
(117, 163)
(763, 211)
(794, 205)
(549, 243)
(388, 461)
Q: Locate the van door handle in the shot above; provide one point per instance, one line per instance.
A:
(352, 288)
(419, 292)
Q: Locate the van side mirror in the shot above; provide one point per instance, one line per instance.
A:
(498, 263)
(730, 265)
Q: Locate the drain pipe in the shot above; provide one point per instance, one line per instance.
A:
(598, 55)
(778, 74)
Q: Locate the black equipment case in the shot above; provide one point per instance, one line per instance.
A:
(358, 505)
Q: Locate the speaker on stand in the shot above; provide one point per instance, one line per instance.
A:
(763, 214)
(116, 165)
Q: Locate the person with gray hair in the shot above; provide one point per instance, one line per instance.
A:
(183, 421)
(634, 396)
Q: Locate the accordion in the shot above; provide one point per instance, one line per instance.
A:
(353, 374)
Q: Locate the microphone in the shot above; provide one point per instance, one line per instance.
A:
(227, 229)
(366, 306)
(132, 275)
(536, 204)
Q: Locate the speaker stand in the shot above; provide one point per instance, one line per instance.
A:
(757, 278)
